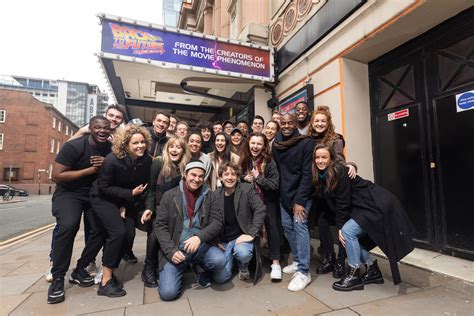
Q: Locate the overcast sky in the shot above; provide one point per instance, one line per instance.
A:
(57, 39)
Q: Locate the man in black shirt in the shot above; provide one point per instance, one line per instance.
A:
(74, 170)
(243, 212)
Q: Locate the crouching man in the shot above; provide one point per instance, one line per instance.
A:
(186, 223)
(243, 213)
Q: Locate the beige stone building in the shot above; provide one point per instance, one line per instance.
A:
(397, 76)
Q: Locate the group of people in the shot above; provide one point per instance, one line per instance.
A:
(206, 196)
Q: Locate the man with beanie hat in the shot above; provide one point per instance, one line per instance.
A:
(187, 221)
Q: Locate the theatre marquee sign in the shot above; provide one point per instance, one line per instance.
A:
(140, 41)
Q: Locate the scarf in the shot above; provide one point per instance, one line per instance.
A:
(258, 164)
(191, 198)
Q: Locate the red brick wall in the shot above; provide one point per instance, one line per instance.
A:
(27, 134)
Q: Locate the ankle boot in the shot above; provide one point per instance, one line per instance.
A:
(372, 274)
(339, 268)
(149, 275)
(327, 265)
(351, 281)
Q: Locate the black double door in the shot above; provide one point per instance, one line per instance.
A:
(423, 141)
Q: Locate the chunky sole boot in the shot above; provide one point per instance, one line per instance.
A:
(350, 282)
(373, 274)
(339, 268)
(327, 265)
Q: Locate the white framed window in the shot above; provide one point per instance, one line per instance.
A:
(50, 171)
(67, 130)
(3, 116)
(54, 122)
(59, 126)
(1, 141)
(52, 146)
(58, 144)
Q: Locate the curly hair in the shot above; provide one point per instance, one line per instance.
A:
(168, 164)
(122, 138)
(329, 135)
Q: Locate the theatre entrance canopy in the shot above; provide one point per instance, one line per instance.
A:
(153, 68)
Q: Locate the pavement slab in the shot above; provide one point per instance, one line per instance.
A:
(10, 302)
(233, 299)
(321, 288)
(31, 267)
(7, 268)
(11, 285)
(112, 312)
(179, 308)
(421, 278)
(341, 312)
(435, 301)
(82, 300)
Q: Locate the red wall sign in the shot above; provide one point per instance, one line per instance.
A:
(398, 115)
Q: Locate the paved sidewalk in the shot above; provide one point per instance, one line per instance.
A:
(24, 290)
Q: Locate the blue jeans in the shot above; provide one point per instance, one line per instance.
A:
(242, 252)
(210, 258)
(356, 253)
(297, 233)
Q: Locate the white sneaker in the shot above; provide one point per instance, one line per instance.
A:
(276, 272)
(49, 275)
(299, 282)
(291, 268)
(92, 268)
(98, 276)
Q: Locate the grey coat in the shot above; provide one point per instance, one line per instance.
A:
(249, 208)
(169, 221)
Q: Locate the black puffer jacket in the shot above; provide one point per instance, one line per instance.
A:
(118, 177)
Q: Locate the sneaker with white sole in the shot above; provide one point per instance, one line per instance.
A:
(49, 275)
(276, 272)
(291, 268)
(299, 282)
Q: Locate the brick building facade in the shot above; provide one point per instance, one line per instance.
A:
(31, 134)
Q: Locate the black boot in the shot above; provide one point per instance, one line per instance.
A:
(327, 265)
(351, 281)
(149, 275)
(339, 268)
(372, 274)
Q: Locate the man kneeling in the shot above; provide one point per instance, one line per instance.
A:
(243, 212)
(186, 222)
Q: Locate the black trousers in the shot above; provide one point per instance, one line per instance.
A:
(152, 246)
(112, 232)
(274, 233)
(68, 208)
(325, 221)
